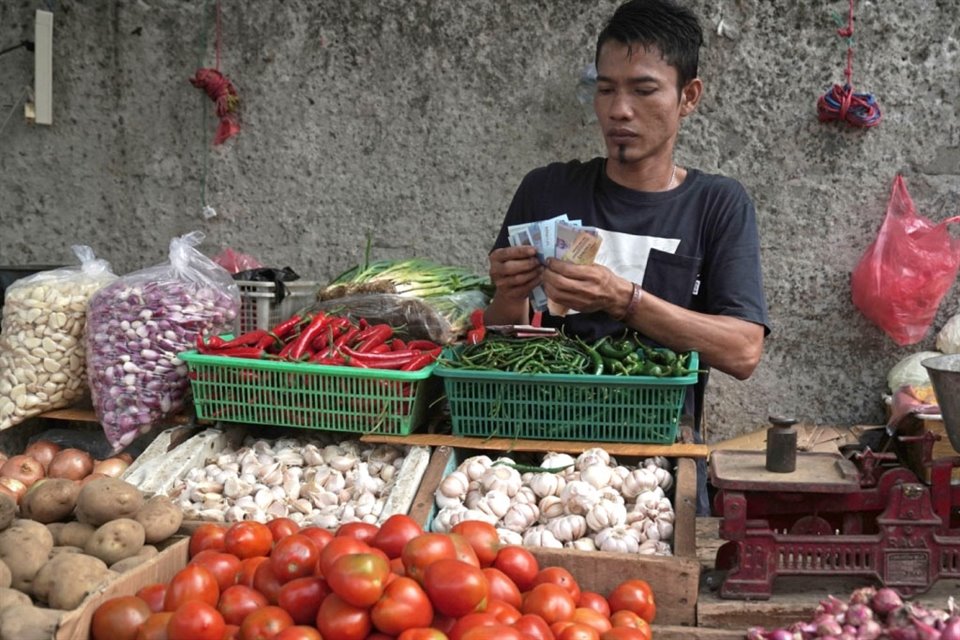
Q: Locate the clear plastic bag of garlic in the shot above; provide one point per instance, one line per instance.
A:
(314, 482)
(589, 502)
(42, 353)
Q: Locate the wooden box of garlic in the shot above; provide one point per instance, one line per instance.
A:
(227, 475)
(603, 519)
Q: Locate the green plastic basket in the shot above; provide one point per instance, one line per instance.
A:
(311, 396)
(545, 406)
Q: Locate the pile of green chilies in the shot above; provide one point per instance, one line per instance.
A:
(526, 355)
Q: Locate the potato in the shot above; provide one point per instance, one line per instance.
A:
(116, 540)
(65, 549)
(65, 580)
(5, 577)
(8, 511)
(10, 597)
(160, 518)
(74, 534)
(25, 547)
(146, 553)
(27, 622)
(55, 528)
(50, 500)
(106, 499)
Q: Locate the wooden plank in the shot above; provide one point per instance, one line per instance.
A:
(82, 414)
(562, 446)
(685, 509)
(423, 500)
(672, 632)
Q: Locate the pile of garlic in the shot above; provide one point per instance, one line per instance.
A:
(587, 503)
(308, 482)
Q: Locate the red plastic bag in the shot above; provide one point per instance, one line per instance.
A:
(235, 262)
(902, 277)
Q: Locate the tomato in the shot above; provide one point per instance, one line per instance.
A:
(404, 605)
(551, 602)
(265, 623)
(207, 536)
(193, 582)
(155, 626)
(465, 552)
(577, 631)
(119, 618)
(238, 601)
(422, 634)
(280, 528)
(483, 537)
(339, 547)
(362, 531)
(456, 588)
(299, 632)
(231, 632)
(301, 598)
(591, 618)
(319, 536)
(424, 550)
(223, 566)
(626, 633)
(534, 626)
(634, 595)
(248, 569)
(442, 622)
(394, 533)
(195, 620)
(626, 618)
(359, 578)
(595, 601)
(471, 620)
(559, 576)
(505, 613)
(266, 582)
(396, 567)
(496, 632)
(247, 539)
(342, 621)
(519, 564)
(502, 587)
(295, 556)
(153, 595)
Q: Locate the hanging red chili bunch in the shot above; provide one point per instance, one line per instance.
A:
(841, 102)
(220, 89)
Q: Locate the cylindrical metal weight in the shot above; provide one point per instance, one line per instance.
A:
(782, 445)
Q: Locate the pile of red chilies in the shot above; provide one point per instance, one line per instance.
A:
(328, 340)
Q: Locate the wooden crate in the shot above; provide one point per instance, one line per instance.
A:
(675, 579)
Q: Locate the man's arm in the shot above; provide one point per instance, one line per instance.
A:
(514, 271)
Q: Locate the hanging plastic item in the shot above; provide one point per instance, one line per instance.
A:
(902, 277)
(841, 102)
(220, 89)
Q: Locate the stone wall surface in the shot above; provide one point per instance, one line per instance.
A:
(414, 121)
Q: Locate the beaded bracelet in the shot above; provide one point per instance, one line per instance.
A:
(635, 296)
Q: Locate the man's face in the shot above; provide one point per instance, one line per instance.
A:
(637, 102)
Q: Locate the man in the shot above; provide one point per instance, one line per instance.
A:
(679, 260)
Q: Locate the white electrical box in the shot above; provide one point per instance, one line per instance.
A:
(43, 68)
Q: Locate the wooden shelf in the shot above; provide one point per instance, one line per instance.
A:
(561, 446)
(87, 414)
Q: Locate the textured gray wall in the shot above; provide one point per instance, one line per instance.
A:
(415, 120)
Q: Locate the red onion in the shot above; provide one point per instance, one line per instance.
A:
(857, 614)
(863, 595)
(869, 630)
(780, 634)
(756, 633)
(827, 625)
(885, 601)
(72, 464)
(13, 488)
(43, 451)
(951, 629)
(24, 468)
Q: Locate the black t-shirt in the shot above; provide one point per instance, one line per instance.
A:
(695, 246)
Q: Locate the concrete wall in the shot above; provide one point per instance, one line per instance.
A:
(415, 120)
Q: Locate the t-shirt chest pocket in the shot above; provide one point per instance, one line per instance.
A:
(672, 277)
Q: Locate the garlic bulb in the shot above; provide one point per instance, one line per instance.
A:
(656, 461)
(472, 499)
(550, 507)
(475, 466)
(612, 495)
(606, 513)
(593, 456)
(617, 539)
(446, 518)
(616, 478)
(494, 503)
(525, 495)
(501, 478)
(578, 497)
(567, 528)
(454, 486)
(654, 548)
(582, 544)
(557, 461)
(540, 536)
(597, 474)
(520, 517)
(664, 478)
(509, 537)
(547, 484)
(638, 481)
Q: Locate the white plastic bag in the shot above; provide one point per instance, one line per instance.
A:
(42, 355)
(138, 326)
(948, 340)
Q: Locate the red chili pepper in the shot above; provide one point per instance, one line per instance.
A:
(282, 330)
(479, 331)
(248, 339)
(323, 358)
(377, 334)
(420, 361)
(422, 345)
(307, 335)
(347, 338)
(398, 345)
(382, 348)
(241, 352)
(389, 360)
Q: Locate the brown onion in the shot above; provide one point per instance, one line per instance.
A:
(126, 457)
(24, 468)
(92, 476)
(73, 464)
(112, 467)
(13, 488)
(43, 451)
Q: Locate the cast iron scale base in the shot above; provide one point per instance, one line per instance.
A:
(870, 516)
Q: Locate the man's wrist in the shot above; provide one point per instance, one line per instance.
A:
(636, 293)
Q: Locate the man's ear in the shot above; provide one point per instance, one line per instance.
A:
(690, 97)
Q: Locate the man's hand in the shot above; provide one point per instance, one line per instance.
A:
(514, 271)
(585, 287)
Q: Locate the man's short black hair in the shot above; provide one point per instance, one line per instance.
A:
(663, 24)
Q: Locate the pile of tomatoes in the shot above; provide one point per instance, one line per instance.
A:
(277, 581)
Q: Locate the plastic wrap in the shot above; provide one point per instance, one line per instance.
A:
(138, 326)
(442, 319)
(42, 354)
